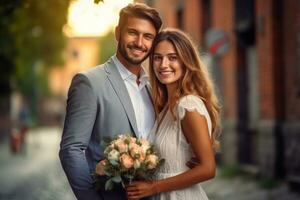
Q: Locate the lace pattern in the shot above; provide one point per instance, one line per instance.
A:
(192, 103)
(172, 145)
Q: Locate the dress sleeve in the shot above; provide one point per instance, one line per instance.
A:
(192, 103)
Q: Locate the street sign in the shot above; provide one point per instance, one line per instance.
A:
(217, 41)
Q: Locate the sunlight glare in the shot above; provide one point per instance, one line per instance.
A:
(87, 19)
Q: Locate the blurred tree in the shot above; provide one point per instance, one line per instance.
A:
(6, 63)
(31, 41)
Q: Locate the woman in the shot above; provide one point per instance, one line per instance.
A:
(187, 120)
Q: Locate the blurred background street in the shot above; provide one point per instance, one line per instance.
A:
(36, 174)
(250, 47)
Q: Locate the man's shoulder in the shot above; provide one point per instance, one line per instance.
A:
(94, 71)
(99, 71)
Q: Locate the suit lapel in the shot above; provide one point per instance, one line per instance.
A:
(119, 86)
(148, 88)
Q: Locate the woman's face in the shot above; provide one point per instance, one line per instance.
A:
(167, 64)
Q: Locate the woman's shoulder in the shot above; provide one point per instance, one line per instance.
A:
(191, 99)
(191, 103)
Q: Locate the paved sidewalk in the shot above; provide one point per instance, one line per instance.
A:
(36, 174)
(245, 188)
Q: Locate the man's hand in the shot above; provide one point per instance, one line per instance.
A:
(100, 167)
(192, 163)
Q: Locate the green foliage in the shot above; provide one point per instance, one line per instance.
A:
(230, 172)
(31, 35)
(97, 1)
(7, 8)
(37, 31)
(109, 184)
(268, 183)
(31, 41)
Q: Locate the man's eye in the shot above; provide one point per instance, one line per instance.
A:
(131, 33)
(148, 37)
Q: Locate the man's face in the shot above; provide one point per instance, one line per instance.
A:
(135, 39)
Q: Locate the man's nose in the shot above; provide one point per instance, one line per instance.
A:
(139, 41)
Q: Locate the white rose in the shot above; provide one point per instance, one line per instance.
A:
(121, 146)
(151, 161)
(113, 155)
(108, 149)
(145, 145)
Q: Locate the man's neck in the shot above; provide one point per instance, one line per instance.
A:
(135, 69)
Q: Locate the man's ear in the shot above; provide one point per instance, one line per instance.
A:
(117, 33)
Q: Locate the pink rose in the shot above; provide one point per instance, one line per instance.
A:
(126, 161)
(142, 157)
(121, 146)
(135, 150)
(132, 140)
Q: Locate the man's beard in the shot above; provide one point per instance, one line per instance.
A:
(122, 50)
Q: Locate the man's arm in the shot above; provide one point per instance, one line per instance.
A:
(79, 122)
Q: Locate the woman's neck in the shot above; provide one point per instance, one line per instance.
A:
(171, 90)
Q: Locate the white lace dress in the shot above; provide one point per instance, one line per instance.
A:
(173, 147)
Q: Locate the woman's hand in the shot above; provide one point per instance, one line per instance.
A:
(193, 162)
(139, 189)
(100, 167)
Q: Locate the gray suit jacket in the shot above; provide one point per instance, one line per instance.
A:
(98, 106)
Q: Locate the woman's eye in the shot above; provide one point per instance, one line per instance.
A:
(173, 58)
(157, 58)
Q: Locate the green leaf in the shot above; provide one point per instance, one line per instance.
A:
(114, 163)
(116, 179)
(97, 1)
(109, 184)
(106, 141)
(107, 173)
(129, 176)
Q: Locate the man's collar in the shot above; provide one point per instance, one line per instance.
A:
(126, 74)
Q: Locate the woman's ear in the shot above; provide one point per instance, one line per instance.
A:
(117, 33)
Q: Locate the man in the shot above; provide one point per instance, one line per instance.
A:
(108, 100)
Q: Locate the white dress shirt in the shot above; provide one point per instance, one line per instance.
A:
(140, 98)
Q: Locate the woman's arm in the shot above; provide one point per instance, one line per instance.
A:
(195, 129)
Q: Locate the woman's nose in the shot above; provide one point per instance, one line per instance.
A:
(164, 62)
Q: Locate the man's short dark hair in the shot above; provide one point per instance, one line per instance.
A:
(140, 10)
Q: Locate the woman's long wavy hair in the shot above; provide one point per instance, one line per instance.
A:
(195, 80)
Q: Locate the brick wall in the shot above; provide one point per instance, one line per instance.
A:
(265, 47)
(192, 19)
(80, 54)
(291, 60)
(291, 21)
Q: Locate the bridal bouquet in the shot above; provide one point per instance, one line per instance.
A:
(128, 158)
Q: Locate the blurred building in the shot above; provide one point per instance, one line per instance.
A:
(254, 47)
(80, 54)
